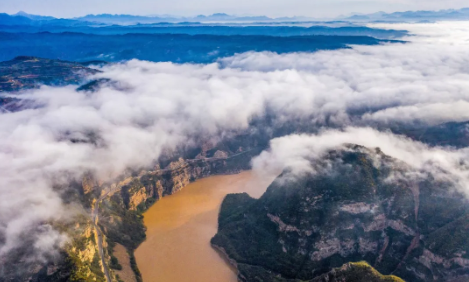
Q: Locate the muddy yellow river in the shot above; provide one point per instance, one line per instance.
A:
(180, 226)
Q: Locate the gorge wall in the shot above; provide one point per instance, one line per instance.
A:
(355, 206)
(118, 208)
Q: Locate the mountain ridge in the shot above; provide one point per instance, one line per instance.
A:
(129, 19)
(303, 226)
(422, 15)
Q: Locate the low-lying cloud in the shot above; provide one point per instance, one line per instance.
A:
(152, 108)
(298, 153)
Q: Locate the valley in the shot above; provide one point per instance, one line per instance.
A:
(326, 151)
(179, 228)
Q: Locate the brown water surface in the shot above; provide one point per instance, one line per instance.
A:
(180, 226)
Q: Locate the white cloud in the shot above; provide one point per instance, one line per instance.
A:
(159, 106)
(299, 152)
(433, 113)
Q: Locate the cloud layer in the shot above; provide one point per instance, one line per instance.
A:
(298, 152)
(155, 107)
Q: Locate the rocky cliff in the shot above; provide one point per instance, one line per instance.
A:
(112, 215)
(402, 228)
(78, 260)
(120, 210)
(358, 205)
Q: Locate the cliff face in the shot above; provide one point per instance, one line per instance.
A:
(178, 174)
(118, 208)
(78, 260)
(83, 254)
(120, 211)
(385, 217)
(357, 209)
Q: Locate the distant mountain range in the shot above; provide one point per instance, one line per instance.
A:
(164, 47)
(462, 14)
(33, 17)
(23, 18)
(218, 17)
(414, 16)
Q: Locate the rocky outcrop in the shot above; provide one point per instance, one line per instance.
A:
(356, 272)
(124, 202)
(178, 174)
(84, 252)
(304, 226)
(77, 261)
(89, 183)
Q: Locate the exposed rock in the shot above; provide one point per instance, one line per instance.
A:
(305, 226)
(357, 208)
(89, 183)
(220, 154)
(138, 197)
(281, 225)
(178, 174)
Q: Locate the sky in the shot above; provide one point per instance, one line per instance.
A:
(274, 8)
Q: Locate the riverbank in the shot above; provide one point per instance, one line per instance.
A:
(180, 226)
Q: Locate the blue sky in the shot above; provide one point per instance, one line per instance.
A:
(314, 8)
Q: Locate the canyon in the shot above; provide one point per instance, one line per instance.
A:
(179, 228)
(118, 233)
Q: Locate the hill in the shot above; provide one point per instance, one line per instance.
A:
(349, 210)
(25, 72)
(178, 48)
(413, 16)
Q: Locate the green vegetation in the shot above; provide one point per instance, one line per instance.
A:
(351, 208)
(30, 72)
(114, 263)
(83, 272)
(458, 231)
(357, 272)
(96, 266)
(119, 278)
(82, 244)
(133, 265)
(232, 207)
(129, 230)
(349, 272)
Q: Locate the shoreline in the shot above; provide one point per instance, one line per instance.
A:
(156, 185)
(233, 264)
(212, 189)
(223, 254)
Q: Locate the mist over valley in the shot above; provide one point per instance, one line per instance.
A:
(344, 142)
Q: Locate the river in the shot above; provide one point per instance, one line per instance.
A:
(180, 226)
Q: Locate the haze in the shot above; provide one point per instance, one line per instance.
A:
(274, 8)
